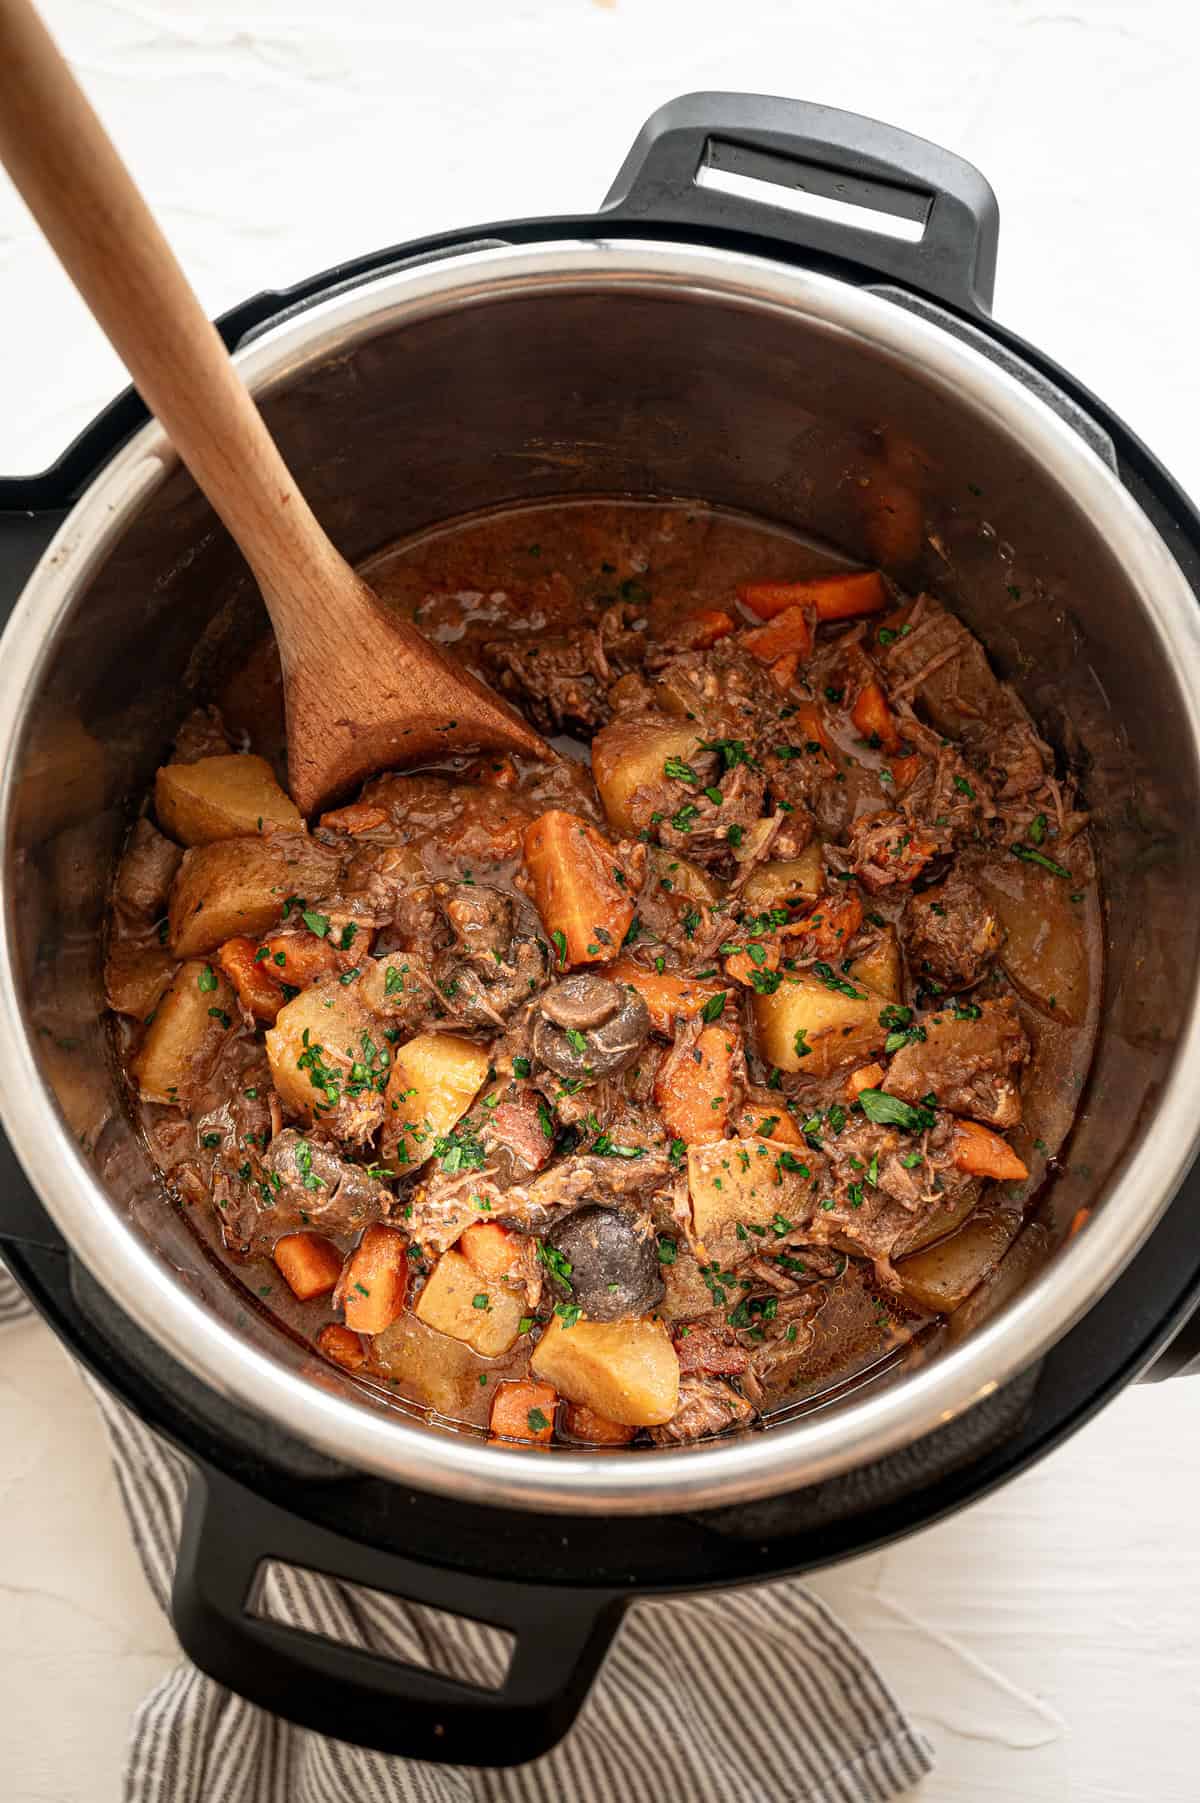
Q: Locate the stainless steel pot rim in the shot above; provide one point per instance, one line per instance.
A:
(824, 1443)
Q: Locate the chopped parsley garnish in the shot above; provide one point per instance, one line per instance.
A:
(891, 1111)
(800, 1043)
(206, 982)
(537, 1421)
(964, 787)
(220, 1014)
(679, 772)
(682, 821)
(560, 946)
(459, 1150)
(604, 1146)
(733, 752)
(677, 1152)
(714, 1007)
(832, 981)
(521, 1067)
(556, 1262)
(735, 835)
(1037, 829)
(316, 923)
(1031, 856)
(667, 1250)
(568, 1313)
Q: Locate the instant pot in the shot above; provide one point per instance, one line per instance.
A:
(696, 337)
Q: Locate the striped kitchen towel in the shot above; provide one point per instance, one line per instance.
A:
(747, 1696)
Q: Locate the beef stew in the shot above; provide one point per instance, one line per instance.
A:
(632, 1097)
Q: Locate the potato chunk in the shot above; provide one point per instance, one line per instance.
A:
(943, 1275)
(743, 1180)
(442, 1372)
(626, 1371)
(1046, 951)
(434, 1080)
(316, 1040)
(879, 969)
(188, 1030)
(808, 1026)
(629, 755)
(459, 1301)
(221, 798)
(785, 880)
(239, 886)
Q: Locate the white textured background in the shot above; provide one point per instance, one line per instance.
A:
(1049, 1639)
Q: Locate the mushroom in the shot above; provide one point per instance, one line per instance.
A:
(612, 1255)
(589, 1027)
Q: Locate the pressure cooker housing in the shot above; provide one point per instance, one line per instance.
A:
(680, 342)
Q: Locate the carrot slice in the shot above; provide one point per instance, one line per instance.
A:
(873, 718)
(835, 597)
(342, 1346)
(707, 626)
(489, 1248)
(376, 1281)
(584, 909)
(790, 631)
(692, 1093)
(667, 996)
(524, 1410)
(253, 983)
(742, 966)
(298, 958)
(358, 817)
(1079, 1221)
(810, 728)
(905, 769)
(582, 1423)
(983, 1153)
(830, 924)
(310, 1264)
(867, 1076)
(771, 1124)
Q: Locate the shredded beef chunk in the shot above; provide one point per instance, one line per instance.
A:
(707, 1405)
(145, 875)
(564, 682)
(319, 1188)
(627, 1094)
(951, 933)
(887, 851)
(970, 1059)
(202, 735)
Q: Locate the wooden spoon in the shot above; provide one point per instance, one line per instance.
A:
(364, 691)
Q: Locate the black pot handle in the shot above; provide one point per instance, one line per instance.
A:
(560, 1635)
(834, 156)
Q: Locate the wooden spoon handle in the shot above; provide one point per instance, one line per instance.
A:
(77, 188)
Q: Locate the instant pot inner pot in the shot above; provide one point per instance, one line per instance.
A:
(611, 390)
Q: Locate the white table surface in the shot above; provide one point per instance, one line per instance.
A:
(1049, 1638)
